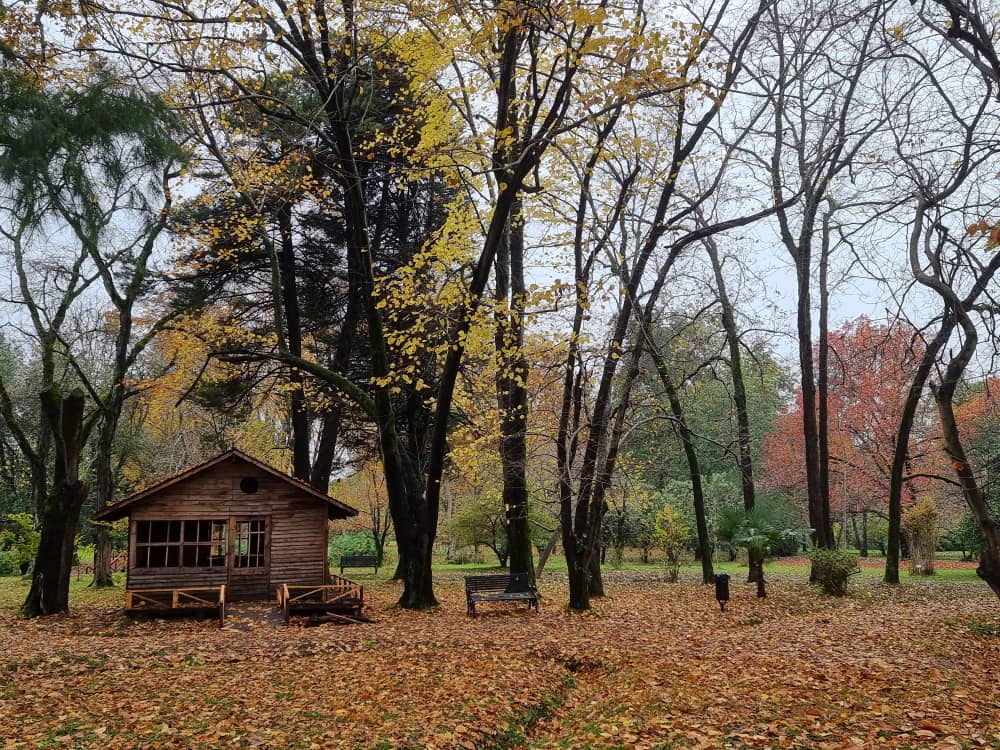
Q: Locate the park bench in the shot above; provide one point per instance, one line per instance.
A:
(358, 561)
(199, 600)
(499, 588)
(340, 599)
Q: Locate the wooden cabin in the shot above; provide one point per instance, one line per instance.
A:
(231, 521)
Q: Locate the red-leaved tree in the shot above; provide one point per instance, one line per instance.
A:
(871, 365)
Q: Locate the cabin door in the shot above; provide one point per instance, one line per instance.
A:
(250, 567)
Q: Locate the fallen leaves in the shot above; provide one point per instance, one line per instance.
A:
(656, 666)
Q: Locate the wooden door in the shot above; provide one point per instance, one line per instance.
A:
(250, 557)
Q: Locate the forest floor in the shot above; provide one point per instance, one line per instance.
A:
(653, 665)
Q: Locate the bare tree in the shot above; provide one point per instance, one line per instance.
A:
(818, 68)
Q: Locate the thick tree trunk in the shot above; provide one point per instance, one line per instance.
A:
(512, 391)
(298, 414)
(414, 518)
(579, 581)
(49, 592)
(326, 447)
(809, 418)
(60, 513)
(104, 485)
(596, 582)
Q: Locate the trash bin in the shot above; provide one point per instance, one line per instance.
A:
(722, 589)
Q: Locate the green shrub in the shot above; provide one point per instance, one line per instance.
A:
(7, 565)
(20, 538)
(832, 568)
(672, 536)
(353, 543)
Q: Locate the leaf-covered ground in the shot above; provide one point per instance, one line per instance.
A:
(653, 666)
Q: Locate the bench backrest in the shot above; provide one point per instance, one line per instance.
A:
(358, 561)
(498, 582)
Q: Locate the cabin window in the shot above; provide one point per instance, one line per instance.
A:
(249, 485)
(248, 544)
(177, 544)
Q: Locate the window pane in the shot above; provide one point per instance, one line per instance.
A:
(173, 556)
(175, 531)
(190, 531)
(189, 555)
(142, 531)
(157, 557)
(158, 531)
(248, 545)
(218, 558)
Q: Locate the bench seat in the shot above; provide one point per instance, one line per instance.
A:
(499, 588)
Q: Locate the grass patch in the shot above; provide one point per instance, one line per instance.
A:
(984, 629)
(14, 590)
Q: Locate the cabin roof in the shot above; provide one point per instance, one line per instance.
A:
(335, 508)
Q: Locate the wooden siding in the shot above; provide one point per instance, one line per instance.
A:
(298, 545)
(297, 541)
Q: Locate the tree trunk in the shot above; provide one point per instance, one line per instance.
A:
(822, 387)
(579, 581)
(596, 583)
(60, 514)
(864, 533)
(543, 556)
(105, 487)
(900, 452)
(512, 391)
(739, 386)
(449, 511)
(298, 415)
(326, 447)
(694, 469)
(808, 388)
(989, 565)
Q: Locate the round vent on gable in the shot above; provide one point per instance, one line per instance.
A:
(249, 485)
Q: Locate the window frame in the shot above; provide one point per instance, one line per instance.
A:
(263, 535)
(142, 551)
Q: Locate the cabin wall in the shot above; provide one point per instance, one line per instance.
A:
(297, 534)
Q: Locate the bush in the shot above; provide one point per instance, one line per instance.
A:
(355, 543)
(671, 535)
(20, 538)
(7, 565)
(832, 568)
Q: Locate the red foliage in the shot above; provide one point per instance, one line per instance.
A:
(871, 366)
